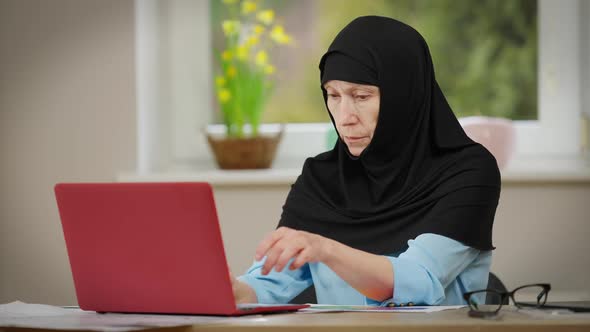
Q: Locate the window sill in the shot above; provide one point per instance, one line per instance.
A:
(523, 171)
(552, 170)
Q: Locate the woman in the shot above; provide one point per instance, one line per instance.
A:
(400, 211)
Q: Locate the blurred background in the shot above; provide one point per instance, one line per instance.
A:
(471, 45)
(117, 90)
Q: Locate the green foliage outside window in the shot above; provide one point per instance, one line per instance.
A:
(484, 52)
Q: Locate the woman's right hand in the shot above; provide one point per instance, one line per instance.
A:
(243, 293)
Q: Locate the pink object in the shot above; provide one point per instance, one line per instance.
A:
(496, 134)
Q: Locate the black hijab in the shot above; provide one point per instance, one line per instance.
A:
(420, 173)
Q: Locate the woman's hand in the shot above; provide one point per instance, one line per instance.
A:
(242, 292)
(372, 275)
(286, 243)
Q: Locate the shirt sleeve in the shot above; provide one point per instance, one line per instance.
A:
(277, 287)
(426, 268)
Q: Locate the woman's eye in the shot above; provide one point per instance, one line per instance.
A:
(332, 95)
(362, 97)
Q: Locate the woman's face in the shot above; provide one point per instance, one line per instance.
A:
(355, 109)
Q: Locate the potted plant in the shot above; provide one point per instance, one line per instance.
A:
(243, 84)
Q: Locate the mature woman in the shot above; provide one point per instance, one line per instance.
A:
(401, 209)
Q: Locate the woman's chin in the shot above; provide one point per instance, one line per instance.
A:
(356, 150)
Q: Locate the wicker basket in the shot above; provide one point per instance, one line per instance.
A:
(244, 153)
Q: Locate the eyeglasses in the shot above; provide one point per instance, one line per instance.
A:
(487, 302)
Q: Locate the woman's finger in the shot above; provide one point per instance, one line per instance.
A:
(287, 254)
(303, 257)
(272, 255)
(269, 242)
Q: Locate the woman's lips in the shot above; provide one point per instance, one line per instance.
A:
(353, 139)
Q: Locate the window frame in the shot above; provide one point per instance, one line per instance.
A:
(174, 88)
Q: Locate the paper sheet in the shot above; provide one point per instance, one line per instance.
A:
(19, 314)
(363, 308)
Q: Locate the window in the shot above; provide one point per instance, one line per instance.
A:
(485, 55)
(175, 77)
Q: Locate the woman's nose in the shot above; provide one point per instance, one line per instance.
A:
(349, 113)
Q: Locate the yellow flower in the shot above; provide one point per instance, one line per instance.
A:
(248, 7)
(269, 69)
(242, 52)
(230, 27)
(266, 16)
(278, 35)
(219, 81)
(229, 2)
(261, 58)
(223, 95)
(231, 71)
(252, 41)
(258, 29)
(226, 55)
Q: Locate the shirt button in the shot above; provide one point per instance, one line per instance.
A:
(410, 304)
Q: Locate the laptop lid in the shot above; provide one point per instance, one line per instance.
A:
(145, 247)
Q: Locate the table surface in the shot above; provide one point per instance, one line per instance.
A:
(509, 319)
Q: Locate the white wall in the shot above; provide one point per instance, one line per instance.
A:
(67, 113)
(541, 234)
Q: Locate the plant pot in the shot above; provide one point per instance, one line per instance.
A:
(245, 153)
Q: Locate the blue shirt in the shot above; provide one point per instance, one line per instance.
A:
(434, 270)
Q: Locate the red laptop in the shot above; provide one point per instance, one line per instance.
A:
(148, 248)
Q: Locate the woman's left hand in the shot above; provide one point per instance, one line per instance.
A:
(286, 243)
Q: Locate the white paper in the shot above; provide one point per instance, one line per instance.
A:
(20, 309)
(366, 308)
(19, 314)
(545, 313)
